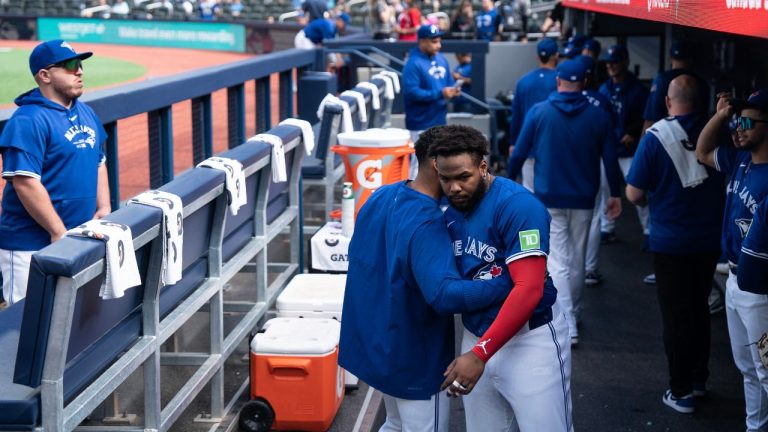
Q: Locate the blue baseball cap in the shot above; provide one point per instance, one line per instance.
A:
(680, 51)
(577, 40)
(52, 52)
(570, 51)
(615, 54)
(593, 45)
(344, 17)
(757, 100)
(588, 63)
(546, 47)
(429, 31)
(571, 70)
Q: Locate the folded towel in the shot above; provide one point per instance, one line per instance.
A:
(121, 271)
(360, 98)
(395, 79)
(375, 101)
(346, 116)
(674, 139)
(389, 87)
(307, 134)
(279, 171)
(234, 180)
(173, 224)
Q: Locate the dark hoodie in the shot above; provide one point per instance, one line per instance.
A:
(63, 149)
(567, 136)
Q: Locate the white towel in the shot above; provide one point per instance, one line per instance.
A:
(674, 140)
(395, 79)
(307, 134)
(173, 221)
(375, 101)
(279, 171)
(121, 271)
(389, 88)
(360, 98)
(346, 116)
(234, 180)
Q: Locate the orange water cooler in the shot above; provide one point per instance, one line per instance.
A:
(296, 383)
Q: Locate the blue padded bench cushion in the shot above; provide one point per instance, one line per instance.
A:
(19, 404)
(278, 198)
(313, 167)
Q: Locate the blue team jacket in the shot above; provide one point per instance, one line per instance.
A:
(533, 87)
(423, 81)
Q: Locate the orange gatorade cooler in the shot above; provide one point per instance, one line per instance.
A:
(373, 158)
(295, 377)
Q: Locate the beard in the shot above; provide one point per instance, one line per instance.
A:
(69, 92)
(473, 199)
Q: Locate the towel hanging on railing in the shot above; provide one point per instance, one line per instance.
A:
(346, 114)
(389, 87)
(279, 171)
(360, 98)
(307, 134)
(395, 78)
(234, 180)
(375, 101)
(173, 238)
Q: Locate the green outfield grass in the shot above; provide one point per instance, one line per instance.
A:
(99, 71)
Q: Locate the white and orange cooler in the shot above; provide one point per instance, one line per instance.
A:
(294, 367)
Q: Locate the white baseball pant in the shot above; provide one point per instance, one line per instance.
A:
(404, 415)
(527, 174)
(593, 240)
(526, 385)
(608, 225)
(14, 266)
(747, 320)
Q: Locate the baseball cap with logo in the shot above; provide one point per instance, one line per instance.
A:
(588, 63)
(52, 52)
(570, 51)
(593, 45)
(571, 70)
(615, 54)
(757, 100)
(429, 31)
(344, 17)
(546, 47)
(680, 50)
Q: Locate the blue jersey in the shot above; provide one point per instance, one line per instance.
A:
(628, 101)
(656, 106)
(508, 224)
(532, 88)
(423, 81)
(402, 289)
(753, 261)
(568, 137)
(61, 147)
(487, 24)
(683, 220)
(320, 29)
(747, 187)
(599, 100)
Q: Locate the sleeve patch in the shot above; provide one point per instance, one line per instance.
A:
(529, 239)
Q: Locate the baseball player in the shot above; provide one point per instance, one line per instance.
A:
(402, 290)
(753, 261)
(746, 164)
(500, 230)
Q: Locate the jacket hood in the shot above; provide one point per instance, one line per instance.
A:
(569, 103)
(34, 97)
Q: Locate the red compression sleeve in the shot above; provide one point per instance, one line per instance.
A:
(528, 277)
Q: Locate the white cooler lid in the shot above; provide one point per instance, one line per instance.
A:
(375, 137)
(313, 292)
(297, 336)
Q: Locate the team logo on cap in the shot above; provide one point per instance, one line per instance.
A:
(67, 46)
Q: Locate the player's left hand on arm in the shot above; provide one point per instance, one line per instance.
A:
(462, 374)
(613, 207)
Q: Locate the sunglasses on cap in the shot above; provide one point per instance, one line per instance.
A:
(748, 123)
(71, 65)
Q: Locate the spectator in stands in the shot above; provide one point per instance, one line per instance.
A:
(462, 74)
(532, 88)
(382, 14)
(746, 165)
(686, 211)
(488, 22)
(188, 6)
(314, 9)
(209, 10)
(569, 138)
(53, 160)
(236, 8)
(554, 19)
(121, 9)
(628, 96)
(99, 8)
(463, 19)
(409, 21)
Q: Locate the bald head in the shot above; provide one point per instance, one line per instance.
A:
(682, 96)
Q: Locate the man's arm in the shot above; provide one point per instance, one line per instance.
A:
(411, 86)
(612, 172)
(35, 199)
(523, 146)
(709, 137)
(636, 196)
(103, 205)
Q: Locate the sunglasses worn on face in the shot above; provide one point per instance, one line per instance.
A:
(748, 123)
(71, 65)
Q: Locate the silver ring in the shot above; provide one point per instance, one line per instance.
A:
(459, 385)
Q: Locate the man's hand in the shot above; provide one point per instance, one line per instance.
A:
(724, 103)
(101, 212)
(629, 141)
(57, 235)
(613, 207)
(462, 374)
(450, 92)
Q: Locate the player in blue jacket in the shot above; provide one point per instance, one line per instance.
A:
(753, 261)
(488, 22)
(53, 159)
(568, 137)
(402, 290)
(746, 165)
(532, 88)
(501, 231)
(686, 210)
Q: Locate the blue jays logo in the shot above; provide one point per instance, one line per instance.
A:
(488, 272)
(743, 225)
(435, 71)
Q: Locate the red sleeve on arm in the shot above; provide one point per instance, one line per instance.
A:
(528, 277)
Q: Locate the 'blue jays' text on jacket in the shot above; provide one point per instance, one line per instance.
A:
(753, 262)
(402, 288)
(683, 220)
(61, 147)
(567, 136)
(320, 29)
(533, 87)
(423, 81)
(628, 100)
(508, 224)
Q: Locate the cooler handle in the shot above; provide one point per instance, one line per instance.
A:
(288, 369)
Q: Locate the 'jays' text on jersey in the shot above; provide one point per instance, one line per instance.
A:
(61, 147)
(423, 81)
(628, 99)
(487, 24)
(508, 224)
(753, 263)
(402, 290)
(747, 187)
